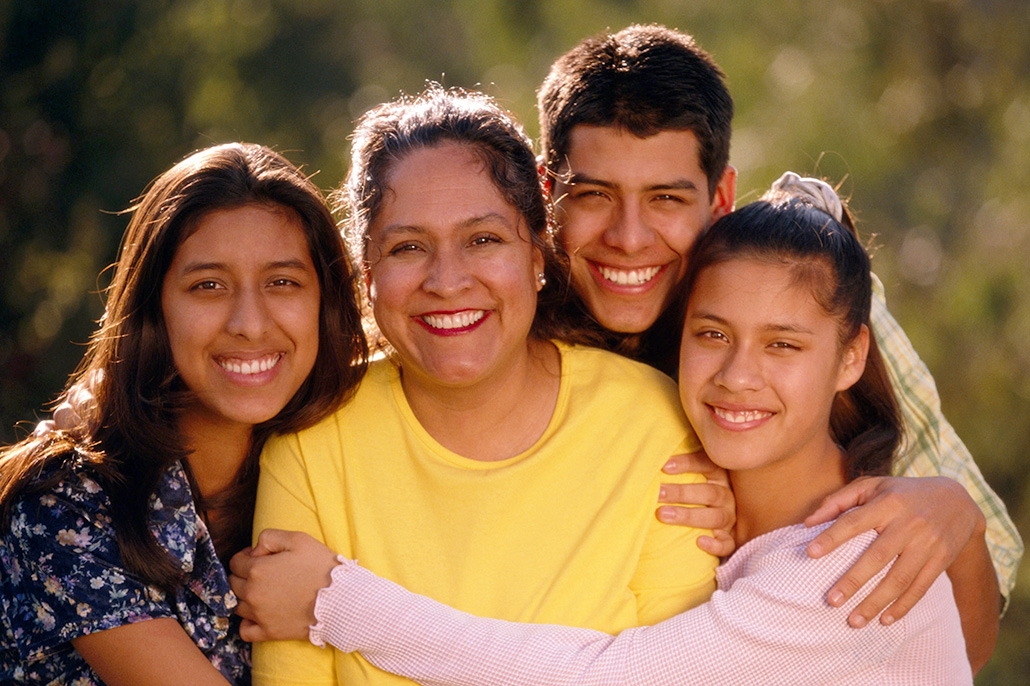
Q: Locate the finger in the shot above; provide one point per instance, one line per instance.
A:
(855, 493)
(689, 462)
(720, 544)
(65, 416)
(898, 592)
(271, 541)
(241, 563)
(694, 494)
(245, 610)
(251, 631)
(43, 428)
(697, 517)
(869, 564)
(846, 527)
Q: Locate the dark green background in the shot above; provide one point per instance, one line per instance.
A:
(921, 107)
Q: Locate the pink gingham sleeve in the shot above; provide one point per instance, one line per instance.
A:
(768, 627)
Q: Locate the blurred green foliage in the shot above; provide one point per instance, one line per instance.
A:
(920, 107)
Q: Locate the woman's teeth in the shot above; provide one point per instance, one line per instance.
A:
(250, 366)
(458, 320)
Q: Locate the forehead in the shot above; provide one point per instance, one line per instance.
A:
(618, 157)
(248, 232)
(442, 184)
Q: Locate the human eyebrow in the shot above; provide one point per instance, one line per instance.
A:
(194, 267)
(488, 218)
(574, 179)
(677, 185)
(767, 328)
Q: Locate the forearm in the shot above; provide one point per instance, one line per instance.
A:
(433, 644)
(978, 598)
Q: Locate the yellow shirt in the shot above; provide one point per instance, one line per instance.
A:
(563, 533)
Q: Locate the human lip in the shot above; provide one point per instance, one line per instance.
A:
(739, 418)
(452, 322)
(638, 276)
(249, 367)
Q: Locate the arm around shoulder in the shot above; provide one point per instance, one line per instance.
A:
(933, 448)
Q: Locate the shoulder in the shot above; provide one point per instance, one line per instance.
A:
(376, 389)
(782, 553)
(73, 493)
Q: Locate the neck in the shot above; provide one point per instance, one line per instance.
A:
(494, 419)
(785, 492)
(216, 452)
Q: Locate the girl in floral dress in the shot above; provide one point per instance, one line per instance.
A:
(230, 316)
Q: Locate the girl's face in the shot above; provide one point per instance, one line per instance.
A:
(241, 305)
(760, 363)
(452, 273)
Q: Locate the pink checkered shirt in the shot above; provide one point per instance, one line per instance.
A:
(768, 624)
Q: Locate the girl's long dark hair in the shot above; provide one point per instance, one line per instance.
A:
(129, 436)
(827, 258)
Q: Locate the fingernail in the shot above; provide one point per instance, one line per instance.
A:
(665, 514)
(835, 598)
(661, 491)
(887, 620)
(857, 621)
(815, 549)
(668, 465)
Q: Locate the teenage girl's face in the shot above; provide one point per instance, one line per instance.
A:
(760, 363)
(241, 304)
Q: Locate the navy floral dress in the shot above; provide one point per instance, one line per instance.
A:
(61, 576)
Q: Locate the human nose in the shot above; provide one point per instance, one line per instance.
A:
(740, 370)
(629, 230)
(248, 316)
(447, 274)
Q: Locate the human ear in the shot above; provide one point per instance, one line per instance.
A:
(725, 193)
(853, 357)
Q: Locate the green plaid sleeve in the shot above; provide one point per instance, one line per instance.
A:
(931, 446)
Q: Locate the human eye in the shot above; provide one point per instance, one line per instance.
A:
(784, 346)
(711, 336)
(205, 285)
(486, 239)
(404, 248)
(589, 194)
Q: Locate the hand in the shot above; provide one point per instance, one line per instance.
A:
(719, 508)
(277, 582)
(69, 414)
(923, 522)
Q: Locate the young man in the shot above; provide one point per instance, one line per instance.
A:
(635, 134)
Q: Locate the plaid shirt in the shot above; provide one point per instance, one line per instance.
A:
(931, 445)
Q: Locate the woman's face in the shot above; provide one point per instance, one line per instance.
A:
(241, 306)
(760, 363)
(451, 271)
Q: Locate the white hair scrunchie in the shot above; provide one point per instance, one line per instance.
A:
(818, 192)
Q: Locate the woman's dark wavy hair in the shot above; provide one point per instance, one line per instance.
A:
(827, 258)
(129, 436)
(388, 133)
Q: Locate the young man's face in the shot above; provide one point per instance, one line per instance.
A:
(629, 210)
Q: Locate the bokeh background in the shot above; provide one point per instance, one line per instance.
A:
(920, 107)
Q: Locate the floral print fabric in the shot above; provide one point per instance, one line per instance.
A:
(61, 576)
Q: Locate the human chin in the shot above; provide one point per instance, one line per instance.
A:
(621, 311)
